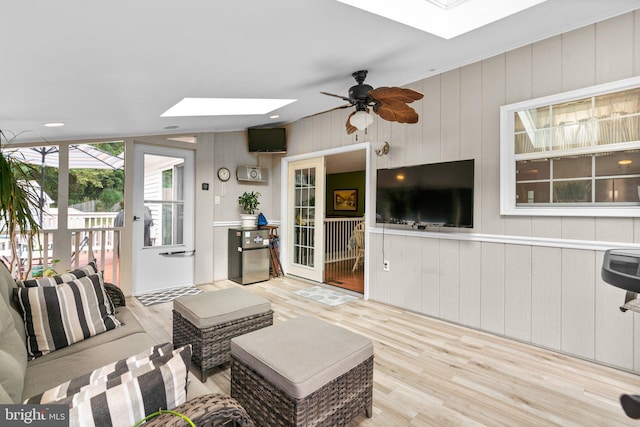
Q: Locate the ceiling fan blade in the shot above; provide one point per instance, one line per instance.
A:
(391, 104)
(341, 107)
(400, 113)
(401, 94)
(350, 128)
(337, 96)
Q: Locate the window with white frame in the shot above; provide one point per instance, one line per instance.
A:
(573, 154)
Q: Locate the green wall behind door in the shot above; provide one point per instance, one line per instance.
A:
(345, 181)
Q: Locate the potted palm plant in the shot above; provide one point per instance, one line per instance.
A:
(19, 207)
(249, 203)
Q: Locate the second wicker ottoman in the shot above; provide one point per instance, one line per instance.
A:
(302, 372)
(209, 320)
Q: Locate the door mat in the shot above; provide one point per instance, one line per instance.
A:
(325, 296)
(167, 295)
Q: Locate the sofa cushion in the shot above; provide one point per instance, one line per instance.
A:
(118, 372)
(87, 270)
(126, 403)
(58, 316)
(50, 372)
(13, 357)
(7, 289)
(130, 325)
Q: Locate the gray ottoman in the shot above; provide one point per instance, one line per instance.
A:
(302, 372)
(209, 320)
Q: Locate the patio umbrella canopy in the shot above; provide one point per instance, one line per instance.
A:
(81, 156)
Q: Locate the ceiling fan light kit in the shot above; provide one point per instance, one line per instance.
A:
(390, 103)
(361, 120)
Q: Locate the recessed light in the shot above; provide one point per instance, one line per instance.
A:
(224, 106)
(54, 124)
(275, 116)
(625, 162)
(400, 177)
(446, 19)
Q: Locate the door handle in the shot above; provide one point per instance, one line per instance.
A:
(136, 218)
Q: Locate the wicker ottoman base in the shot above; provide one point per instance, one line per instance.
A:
(210, 346)
(334, 404)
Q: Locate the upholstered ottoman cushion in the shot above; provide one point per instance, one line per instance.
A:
(209, 320)
(212, 308)
(302, 372)
(302, 354)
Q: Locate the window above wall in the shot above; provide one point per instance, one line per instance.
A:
(573, 154)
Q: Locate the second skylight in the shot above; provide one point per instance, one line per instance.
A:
(225, 106)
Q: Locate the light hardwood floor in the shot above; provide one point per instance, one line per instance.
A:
(432, 373)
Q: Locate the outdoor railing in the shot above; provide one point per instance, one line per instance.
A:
(86, 244)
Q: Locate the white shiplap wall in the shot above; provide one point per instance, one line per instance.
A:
(548, 295)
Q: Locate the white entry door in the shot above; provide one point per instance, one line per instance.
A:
(305, 214)
(163, 218)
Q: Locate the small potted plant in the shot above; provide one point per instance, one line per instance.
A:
(249, 202)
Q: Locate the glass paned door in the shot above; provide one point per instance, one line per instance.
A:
(163, 218)
(163, 200)
(305, 217)
(304, 210)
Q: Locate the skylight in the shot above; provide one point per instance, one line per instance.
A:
(444, 18)
(224, 106)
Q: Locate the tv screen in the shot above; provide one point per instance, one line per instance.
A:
(437, 194)
(272, 140)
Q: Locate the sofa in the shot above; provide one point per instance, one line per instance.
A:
(21, 378)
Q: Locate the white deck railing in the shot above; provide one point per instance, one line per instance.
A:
(87, 243)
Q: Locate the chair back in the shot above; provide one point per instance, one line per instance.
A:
(358, 234)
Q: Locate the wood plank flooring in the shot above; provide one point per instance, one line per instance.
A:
(432, 373)
(341, 274)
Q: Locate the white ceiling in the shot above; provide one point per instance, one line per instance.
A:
(111, 68)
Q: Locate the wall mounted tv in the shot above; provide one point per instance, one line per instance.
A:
(436, 194)
(273, 140)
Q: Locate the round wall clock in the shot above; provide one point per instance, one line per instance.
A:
(224, 174)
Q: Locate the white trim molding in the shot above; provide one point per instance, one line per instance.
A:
(587, 245)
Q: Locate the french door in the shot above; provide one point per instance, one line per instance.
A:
(305, 214)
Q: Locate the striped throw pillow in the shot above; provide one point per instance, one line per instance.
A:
(124, 404)
(113, 373)
(58, 316)
(87, 270)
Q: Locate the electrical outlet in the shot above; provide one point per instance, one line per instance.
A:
(385, 265)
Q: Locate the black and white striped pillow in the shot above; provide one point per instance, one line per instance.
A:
(87, 270)
(113, 373)
(58, 316)
(124, 404)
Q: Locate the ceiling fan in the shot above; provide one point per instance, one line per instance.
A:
(390, 103)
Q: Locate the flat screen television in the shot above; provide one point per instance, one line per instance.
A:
(272, 140)
(436, 194)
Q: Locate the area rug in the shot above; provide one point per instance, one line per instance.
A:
(325, 296)
(167, 295)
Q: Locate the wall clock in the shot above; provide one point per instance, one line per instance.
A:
(224, 174)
